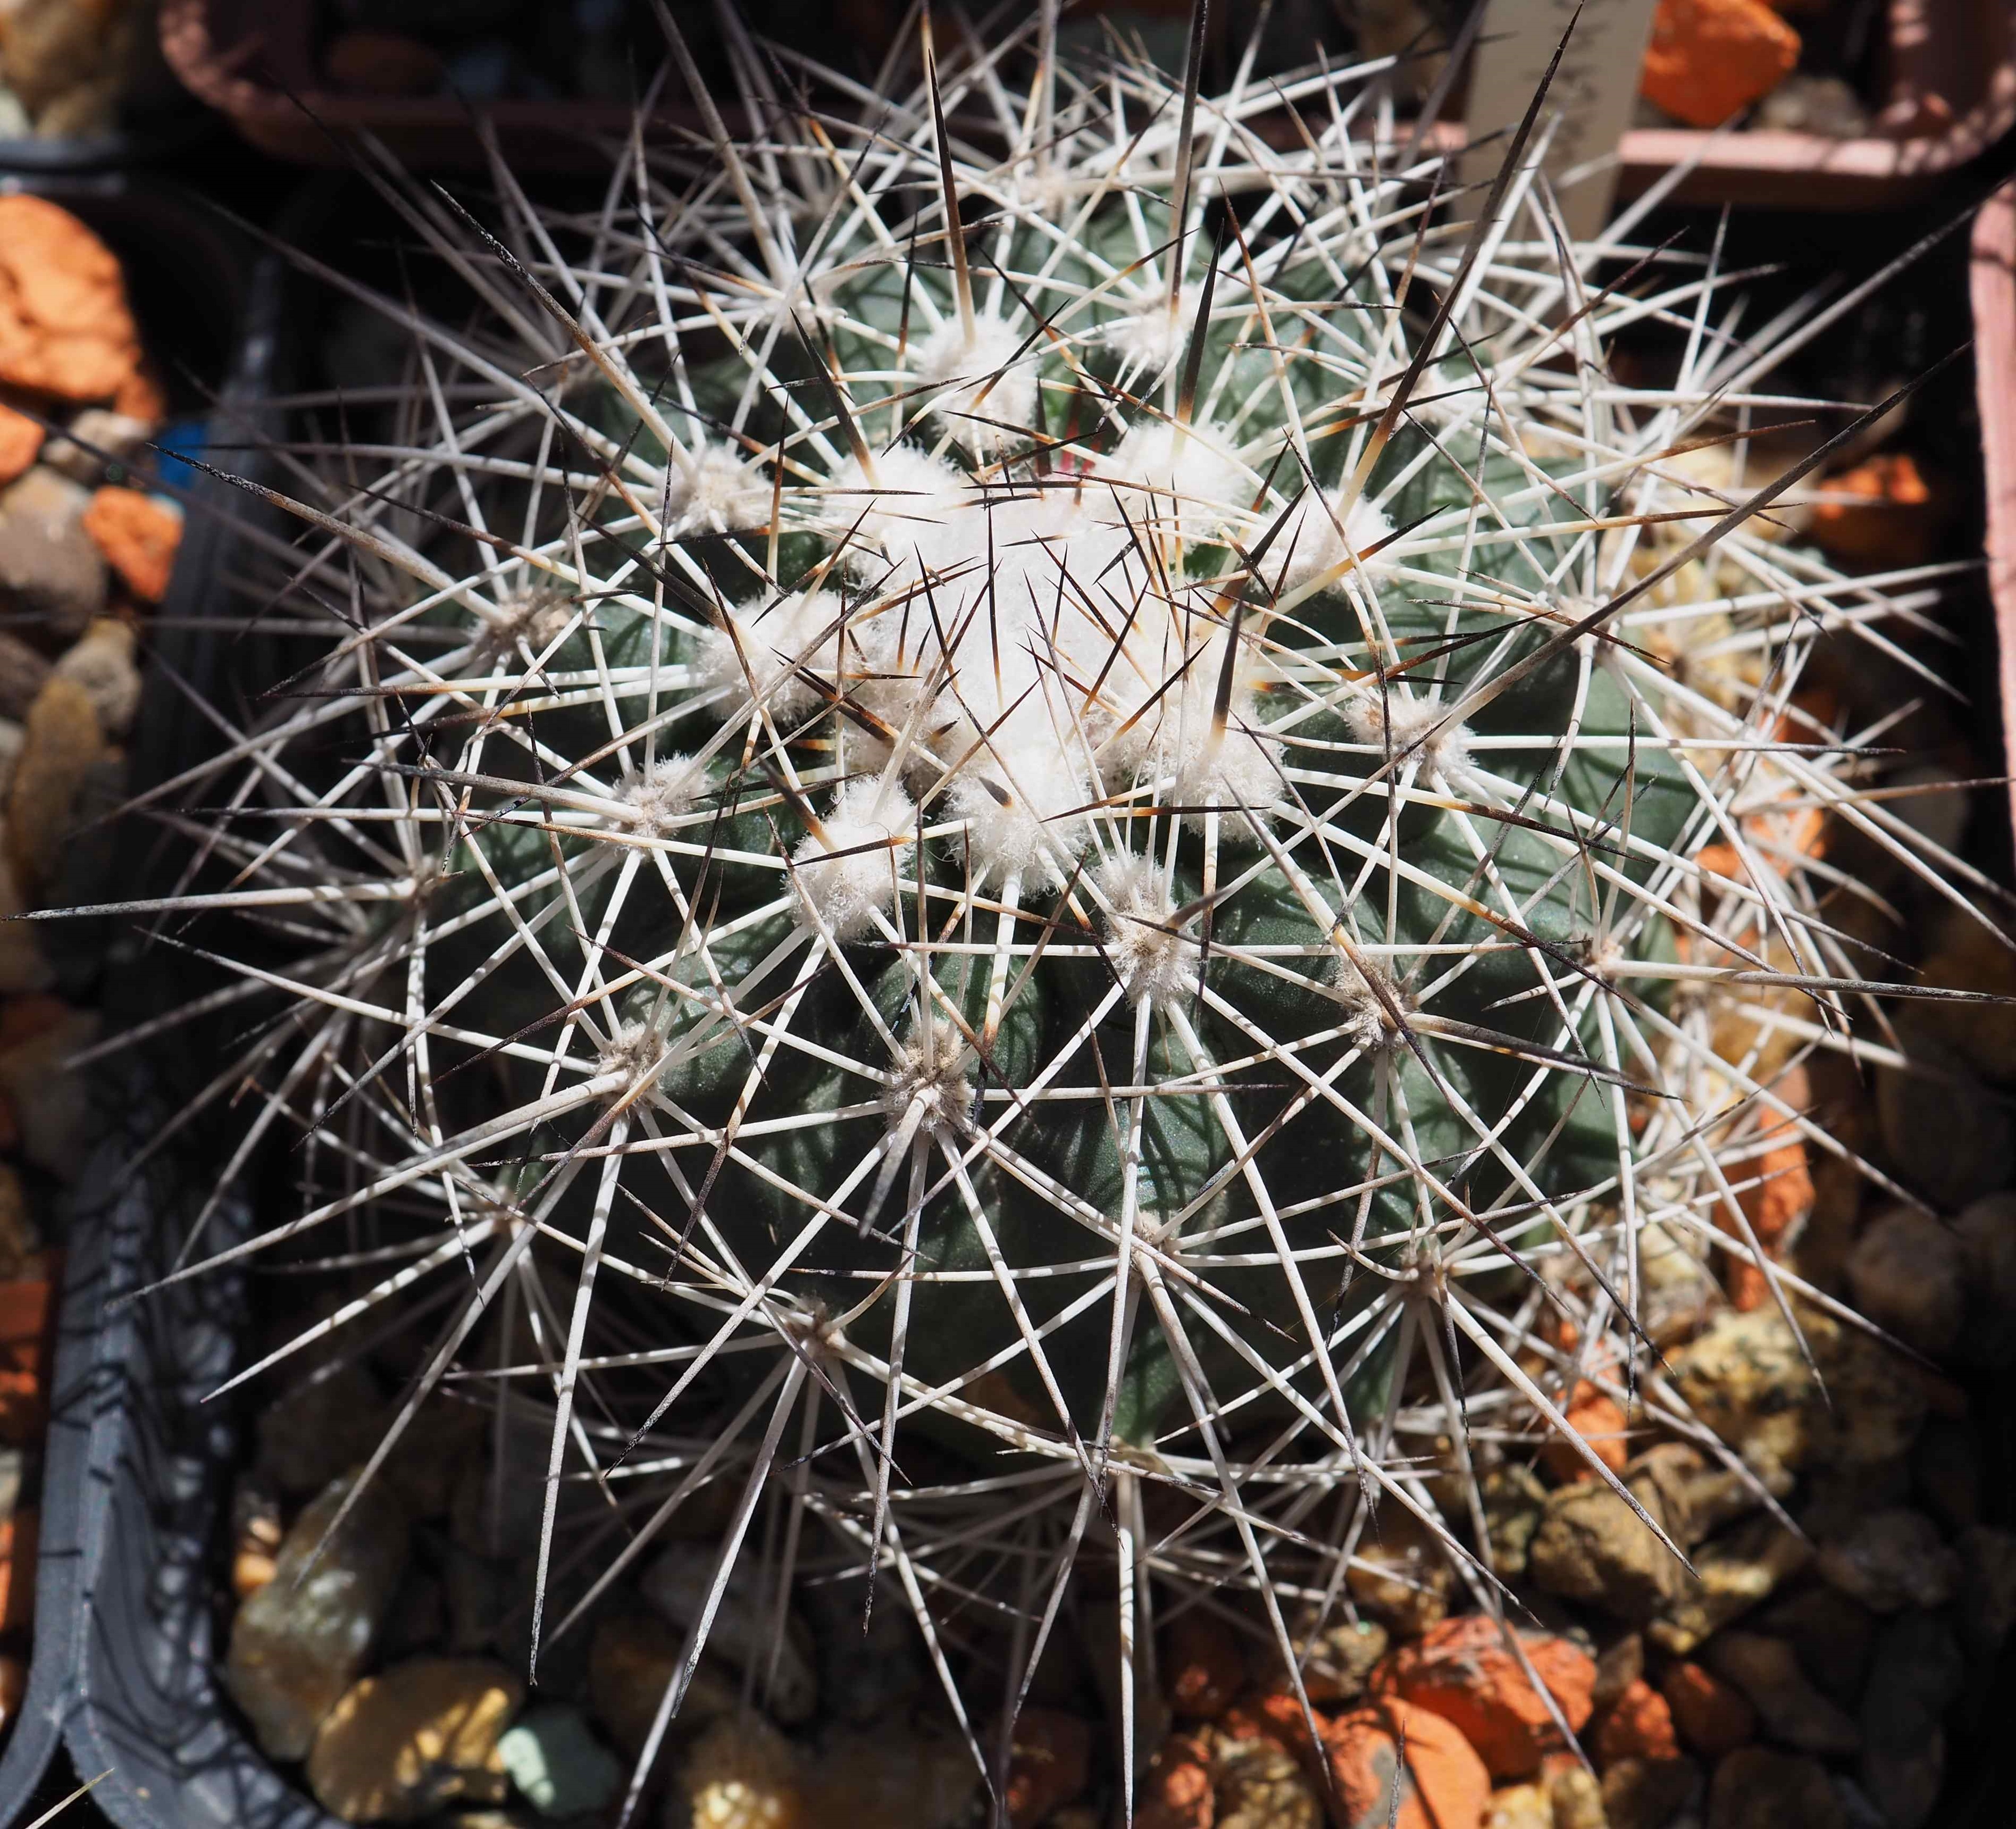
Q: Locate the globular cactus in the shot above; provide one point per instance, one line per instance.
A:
(1049, 792)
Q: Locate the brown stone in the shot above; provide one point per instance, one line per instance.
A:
(1049, 1762)
(103, 664)
(139, 537)
(23, 671)
(1734, 1573)
(632, 1660)
(1176, 1792)
(1591, 1546)
(1756, 1788)
(47, 1097)
(1203, 1665)
(65, 328)
(1401, 1573)
(1463, 1671)
(1648, 1794)
(1713, 1716)
(382, 63)
(1793, 1711)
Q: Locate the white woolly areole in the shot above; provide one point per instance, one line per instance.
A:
(1397, 721)
(1152, 961)
(1028, 826)
(931, 1076)
(1151, 337)
(772, 650)
(1311, 544)
(907, 510)
(993, 385)
(714, 492)
(1192, 487)
(1366, 1019)
(964, 629)
(1240, 776)
(851, 877)
(656, 797)
(535, 616)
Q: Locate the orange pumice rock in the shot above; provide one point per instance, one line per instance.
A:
(1395, 1767)
(1600, 1424)
(1708, 59)
(65, 328)
(1463, 1670)
(1638, 1725)
(1882, 511)
(20, 444)
(139, 537)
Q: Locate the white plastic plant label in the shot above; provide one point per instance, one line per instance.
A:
(1593, 91)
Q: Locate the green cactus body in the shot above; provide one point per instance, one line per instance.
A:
(1080, 855)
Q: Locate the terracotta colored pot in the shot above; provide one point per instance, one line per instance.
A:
(1992, 284)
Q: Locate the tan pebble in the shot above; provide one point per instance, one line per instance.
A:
(1648, 1793)
(1734, 1572)
(299, 1642)
(1520, 1806)
(741, 1773)
(103, 664)
(92, 439)
(1262, 1786)
(63, 748)
(1574, 1794)
(400, 1744)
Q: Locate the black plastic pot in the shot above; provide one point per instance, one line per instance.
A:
(134, 1577)
(187, 275)
(140, 1466)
